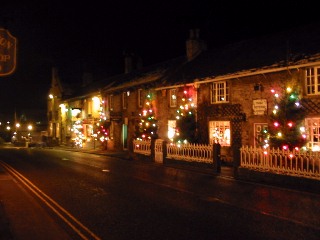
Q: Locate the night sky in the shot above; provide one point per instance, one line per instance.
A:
(94, 35)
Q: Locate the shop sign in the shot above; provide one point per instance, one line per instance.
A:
(8, 53)
(259, 106)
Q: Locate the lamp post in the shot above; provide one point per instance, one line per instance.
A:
(29, 135)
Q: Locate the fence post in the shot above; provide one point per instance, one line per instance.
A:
(152, 148)
(216, 158)
(164, 149)
(236, 159)
(158, 155)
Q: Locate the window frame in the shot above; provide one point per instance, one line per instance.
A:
(257, 127)
(140, 99)
(111, 102)
(172, 124)
(173, 101)
(219, 92)
(311, 134)
(312, 80)
(124, 100)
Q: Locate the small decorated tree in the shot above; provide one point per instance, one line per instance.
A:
(185, 131)
(100, 131)
(287, 129)
(147, 128)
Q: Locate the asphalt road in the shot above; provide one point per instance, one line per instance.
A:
(121, 199)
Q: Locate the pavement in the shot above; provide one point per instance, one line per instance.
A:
(18, 208)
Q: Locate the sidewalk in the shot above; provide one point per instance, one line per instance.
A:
(226, 171)
(240, 174)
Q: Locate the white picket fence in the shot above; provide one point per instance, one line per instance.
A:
(190, 152)
(296, 163)
(142, 147)
(186, 152)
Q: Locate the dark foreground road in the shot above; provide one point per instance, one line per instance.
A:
(84, 196)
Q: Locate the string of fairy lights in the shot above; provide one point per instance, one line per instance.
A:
(287, 130)
(184, 115)
(99, 131)
(147, 127)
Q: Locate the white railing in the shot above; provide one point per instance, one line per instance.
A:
(142, 147)
(296, 163)
(190, 152)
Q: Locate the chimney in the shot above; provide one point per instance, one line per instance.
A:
(87, 77)
(132, 62)
(128, 63)
(194, 45)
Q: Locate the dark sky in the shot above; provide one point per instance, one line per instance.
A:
(94, 35)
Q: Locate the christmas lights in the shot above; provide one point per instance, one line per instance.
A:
(286, 131)
(186, 125)
(147, 128)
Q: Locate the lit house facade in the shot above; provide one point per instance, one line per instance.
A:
(229, 90)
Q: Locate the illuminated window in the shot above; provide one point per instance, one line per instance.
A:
(124, 100)
(140, 98)
(171, 128)
(313, 81)
(258, 134)
(76, 113)
(219, 131)
(219, 92)
(96, 104)
(313, 133)
(89, 107)
(173, 97)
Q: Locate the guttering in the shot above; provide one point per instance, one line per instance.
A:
(82, 96)
(256, 72)
(174, 86)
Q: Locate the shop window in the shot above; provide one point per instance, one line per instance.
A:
(313, 133)
(219, 132)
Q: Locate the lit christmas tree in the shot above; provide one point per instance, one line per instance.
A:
(147, 127)
(101, 128)
(286, 130)
(77, 129)
(185, 131)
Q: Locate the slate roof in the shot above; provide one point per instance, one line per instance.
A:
(272, 51)
(282, 49)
